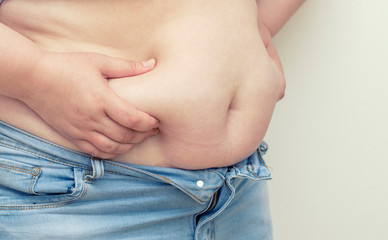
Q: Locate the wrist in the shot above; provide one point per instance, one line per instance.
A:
(18, 58)
(29, 78)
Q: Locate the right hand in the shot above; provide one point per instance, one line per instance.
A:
(70, 92)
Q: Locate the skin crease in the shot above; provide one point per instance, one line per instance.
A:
(213, 96)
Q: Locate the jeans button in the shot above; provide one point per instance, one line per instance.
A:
(200, 183)
(263, 147)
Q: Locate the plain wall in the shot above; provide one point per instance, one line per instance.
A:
(328, 136)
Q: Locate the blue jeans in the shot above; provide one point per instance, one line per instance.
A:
(48, 191)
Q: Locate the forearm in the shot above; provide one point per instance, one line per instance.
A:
(275, 13)
(18, 56)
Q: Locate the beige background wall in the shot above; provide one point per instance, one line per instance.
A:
(329, 136)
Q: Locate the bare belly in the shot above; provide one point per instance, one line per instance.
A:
(214, 88)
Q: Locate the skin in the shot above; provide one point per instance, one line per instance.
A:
(96, 120)
(100, 121)
(272, 15)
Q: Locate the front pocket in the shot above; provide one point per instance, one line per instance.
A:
(27, 186)
(18, 176)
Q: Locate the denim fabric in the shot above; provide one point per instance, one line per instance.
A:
(48, 191)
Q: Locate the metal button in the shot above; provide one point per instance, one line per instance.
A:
(263, 147)
(35, 171)
(200, 183)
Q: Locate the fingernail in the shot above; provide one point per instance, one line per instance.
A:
(149, 63)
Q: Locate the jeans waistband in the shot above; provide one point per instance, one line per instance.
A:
(199, 184)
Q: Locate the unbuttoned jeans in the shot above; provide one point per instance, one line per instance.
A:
(50, 192)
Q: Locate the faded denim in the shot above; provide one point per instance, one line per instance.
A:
(51, 192)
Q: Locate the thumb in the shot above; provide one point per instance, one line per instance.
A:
(116, 67)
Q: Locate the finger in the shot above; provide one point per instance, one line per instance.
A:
(115, 67)
(107, 145)
(128, 116)
(134, 137)
(90, 149)
(120, 134)
(141, 136)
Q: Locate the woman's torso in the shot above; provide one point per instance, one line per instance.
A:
(214, 87)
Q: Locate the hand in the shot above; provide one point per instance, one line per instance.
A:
(70, 92)
(267, 41)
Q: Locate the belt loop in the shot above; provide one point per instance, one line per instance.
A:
(98, 168)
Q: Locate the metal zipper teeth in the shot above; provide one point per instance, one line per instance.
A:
(214, 201)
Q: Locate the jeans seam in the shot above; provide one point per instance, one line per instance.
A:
(42, 156)
(45, 206)
(33, 181)
(219, 174)
(9, 167)
(261, 159)
(249, 168)
(212, 230)
(164, 178)
(46, 142)
(195, 224)
(25, 171)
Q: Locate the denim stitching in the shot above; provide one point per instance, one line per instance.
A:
(22, 170)
(153, 175)
(33, 181)
(260, 158)
(109, 171)
(219, 174)
(226, 204)
(43, 141)
(201, 212)
(43, 156)
(51, 205)
(249, 168)
(26, 171)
